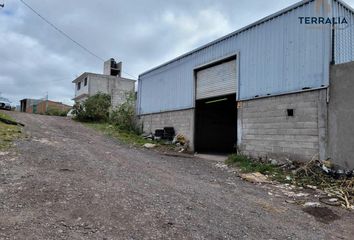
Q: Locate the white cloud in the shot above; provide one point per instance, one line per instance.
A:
(35, 59)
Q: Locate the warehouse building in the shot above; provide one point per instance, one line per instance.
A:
(273, 89)
(41, 106)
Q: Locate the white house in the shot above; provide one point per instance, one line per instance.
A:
(110, 82)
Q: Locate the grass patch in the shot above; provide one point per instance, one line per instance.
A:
(247, 165)
(8, 133)
(3, 115)
(123, 136)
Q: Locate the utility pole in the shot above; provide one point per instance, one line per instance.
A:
(46, 103)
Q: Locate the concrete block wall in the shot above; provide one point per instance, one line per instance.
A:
(182, 121)
(115, 86)
(341, 115)
(266, 131)
(120, 89)
(99, 83)
(118, 97)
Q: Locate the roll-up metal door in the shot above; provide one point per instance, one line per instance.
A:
(217, 80)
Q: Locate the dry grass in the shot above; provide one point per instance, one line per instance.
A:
(310, 173)
(8, 133)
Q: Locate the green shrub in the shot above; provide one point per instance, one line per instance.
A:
(94, 109)
(124, 116)
(56, 112)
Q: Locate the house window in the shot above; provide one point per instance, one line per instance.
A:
(78, 85)
(85, 82)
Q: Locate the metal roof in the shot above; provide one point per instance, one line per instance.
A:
(261, 21)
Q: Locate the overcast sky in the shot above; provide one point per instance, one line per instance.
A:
(35, 59)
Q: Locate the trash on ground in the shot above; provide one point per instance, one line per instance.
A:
(312, 204)
(329, 178)
(330, 201)
(181, 142)
(317, 179)
(221, 165)
(256, 177)
(168, 137)
(149, 145)
(4, 153)
(274, 162)
(294, 194)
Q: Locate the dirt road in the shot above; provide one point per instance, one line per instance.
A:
(66, 181)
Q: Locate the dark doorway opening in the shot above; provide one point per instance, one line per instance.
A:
(216, 124)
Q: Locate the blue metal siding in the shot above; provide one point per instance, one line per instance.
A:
(344, 37)
(277, 56)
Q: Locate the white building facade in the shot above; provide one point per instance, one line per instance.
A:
(111, 82)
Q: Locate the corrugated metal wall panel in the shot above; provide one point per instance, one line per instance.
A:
(216, 80)
(344, 37)
(277, 56)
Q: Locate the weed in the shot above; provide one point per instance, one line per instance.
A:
(56, 112)
(128, 137)
(8, 133)
(124, 116)
(248, 165)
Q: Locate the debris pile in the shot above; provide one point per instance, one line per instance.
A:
(181, 142)
(168, 137)
(167, 133)
(328, 183)
(336, 183)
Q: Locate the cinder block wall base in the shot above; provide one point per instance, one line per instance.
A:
(267, 132)
(341, 115)
(182, 121)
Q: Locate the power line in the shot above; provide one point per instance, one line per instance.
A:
(61, 31)
(130, 75)
(66, 35)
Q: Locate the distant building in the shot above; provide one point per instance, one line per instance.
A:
(27, 103)
(41, 106)
(47, 105)
(110, 82)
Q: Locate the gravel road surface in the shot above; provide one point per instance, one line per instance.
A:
(66, 181)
